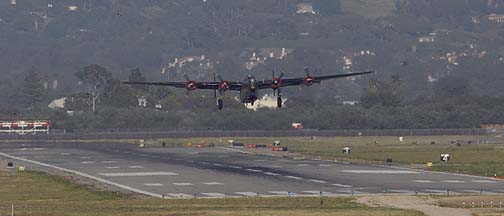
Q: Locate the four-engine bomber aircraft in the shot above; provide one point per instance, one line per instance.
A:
(249, 88)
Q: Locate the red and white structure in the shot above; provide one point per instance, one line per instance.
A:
(25, 127)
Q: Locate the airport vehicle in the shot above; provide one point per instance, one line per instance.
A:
(249, 88)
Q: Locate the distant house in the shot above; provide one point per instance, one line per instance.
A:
(304, 8)
(427, 39)
(255, 57)
(496, 18)
(142, 101)
(350, 103)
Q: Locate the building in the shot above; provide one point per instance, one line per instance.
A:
(496, 18)
(427, 39)
(305, 8)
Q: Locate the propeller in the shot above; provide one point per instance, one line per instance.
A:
(276, 82)
(309, 79)
(224, 85)
(190, 85)
(214, 91)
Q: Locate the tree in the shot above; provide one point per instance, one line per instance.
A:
(451, 87)
(33, 88)
(94, 78)
(136, 75)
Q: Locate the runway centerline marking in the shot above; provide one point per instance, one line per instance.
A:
(113, 167)
(342, 185)
(138, 174)
(422, 181)
(253, 170)
(212, 183)
(183, 184)
(317, 181)
(85, 157)
(294, 177)
(153, 184)
(453, 181)
(270, 173)
(135, 167)
(380, 171)
(88, 162)
(109, 162)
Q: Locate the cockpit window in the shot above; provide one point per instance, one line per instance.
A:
(253, 84)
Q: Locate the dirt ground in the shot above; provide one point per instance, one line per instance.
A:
(427, 205)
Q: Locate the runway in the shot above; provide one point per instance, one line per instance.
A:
(222, 172)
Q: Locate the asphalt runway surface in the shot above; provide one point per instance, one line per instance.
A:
(227, 172)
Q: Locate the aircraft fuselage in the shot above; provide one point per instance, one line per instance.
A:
(249, 91)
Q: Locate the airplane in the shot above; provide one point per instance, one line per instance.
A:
(249, 88)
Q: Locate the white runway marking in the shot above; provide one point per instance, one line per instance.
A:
(342, 185)
(113, 167)
(138, 174)
(484, 181)
(88, 162)
(317, 181)
(253, 170)
(235, 167)
(84, 175)
(212, 183)
(183, 184)
(179, 195)
(453, 181)
(303, 165)
(436, 191)
(246, 193)
(213, 194)
(135, 167)
(380, 171)
(325, 165)
(153, 184)
(270, 173)
(279, 192)
(32, 149)
(109, 162)
(422, 181)
(294, 177)
(216, 164)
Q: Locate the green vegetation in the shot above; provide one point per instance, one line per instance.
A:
(475, 159)
(39, 194)
(451, 82)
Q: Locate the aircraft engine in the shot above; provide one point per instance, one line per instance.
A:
(309, 80)
(276, 83)
(224, 85)
(191, 85)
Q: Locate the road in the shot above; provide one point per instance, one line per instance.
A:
(224, 172)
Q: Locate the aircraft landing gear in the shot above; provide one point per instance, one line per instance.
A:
(219, 104)
(279, 101)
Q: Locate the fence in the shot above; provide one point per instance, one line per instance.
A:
(62, 135)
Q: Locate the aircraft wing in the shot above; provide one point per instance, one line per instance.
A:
(197, 85)
(316, 79)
